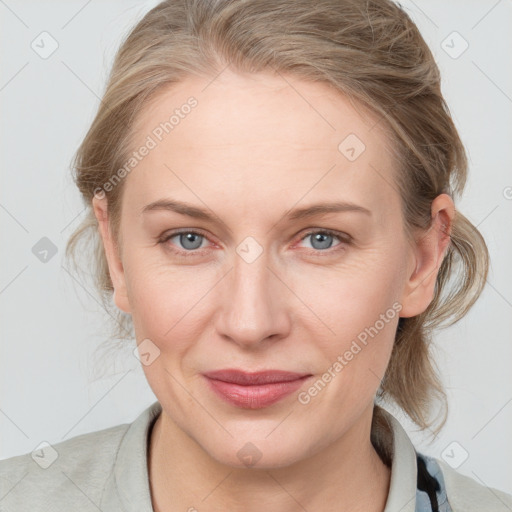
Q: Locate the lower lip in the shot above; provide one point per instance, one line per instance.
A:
(254, 397)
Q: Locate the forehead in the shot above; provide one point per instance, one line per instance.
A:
(257, 136)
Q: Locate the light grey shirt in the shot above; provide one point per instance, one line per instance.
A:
(107, 471)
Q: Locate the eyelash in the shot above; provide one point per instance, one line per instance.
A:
(343, 237)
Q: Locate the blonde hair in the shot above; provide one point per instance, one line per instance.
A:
(372, 52)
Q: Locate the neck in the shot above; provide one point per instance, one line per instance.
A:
(346, 475)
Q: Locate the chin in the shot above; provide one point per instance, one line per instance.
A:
(245, 454)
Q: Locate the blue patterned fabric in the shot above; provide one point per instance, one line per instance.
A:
(430, 490)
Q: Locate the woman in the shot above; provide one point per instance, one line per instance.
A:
(271, 193)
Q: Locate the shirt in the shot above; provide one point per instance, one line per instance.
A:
(107, 470)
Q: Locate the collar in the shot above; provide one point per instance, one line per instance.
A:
(127, 488)
(404, 470)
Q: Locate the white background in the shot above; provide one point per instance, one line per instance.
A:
(50, 324)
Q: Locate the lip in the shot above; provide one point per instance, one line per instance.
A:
(254, 390)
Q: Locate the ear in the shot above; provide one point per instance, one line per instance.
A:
(427, 255)
(112, 253)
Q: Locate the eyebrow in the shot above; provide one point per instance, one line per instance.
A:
(296, 214)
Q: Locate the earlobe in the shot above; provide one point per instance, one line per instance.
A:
(115, 265)
(427, 257)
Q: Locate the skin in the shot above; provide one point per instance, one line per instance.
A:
(254, 148)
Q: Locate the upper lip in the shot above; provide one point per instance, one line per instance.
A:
(250, 379)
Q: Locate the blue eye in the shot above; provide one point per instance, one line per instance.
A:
(321, 239)
(191, 241)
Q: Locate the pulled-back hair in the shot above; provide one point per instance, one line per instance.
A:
(368, 50)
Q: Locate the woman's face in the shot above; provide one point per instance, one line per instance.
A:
(255, 285)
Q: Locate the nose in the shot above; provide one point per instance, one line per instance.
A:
(255, 302)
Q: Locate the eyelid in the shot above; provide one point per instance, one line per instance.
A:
(171, 234)
(338, 234)
(344, 238)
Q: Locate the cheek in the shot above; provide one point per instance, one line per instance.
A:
(359, 312)
(352, 296)
(165, 299)
(356, 357)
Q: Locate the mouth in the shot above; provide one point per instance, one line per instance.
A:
(254, 390)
